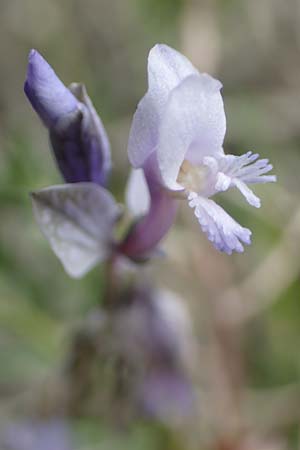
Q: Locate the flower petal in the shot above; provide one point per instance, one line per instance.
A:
(166, 69)
(247, 168)
(193, 126)
(223, 231)
(249, 195)
(137, 193)
(94, 137)
(77, 220)
(244, 169)
(48, 95)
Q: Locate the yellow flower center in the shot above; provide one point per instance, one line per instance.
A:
(192, 178)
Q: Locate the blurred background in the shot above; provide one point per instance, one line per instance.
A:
(245, 309)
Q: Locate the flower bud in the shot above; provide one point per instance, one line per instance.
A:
(77, 135)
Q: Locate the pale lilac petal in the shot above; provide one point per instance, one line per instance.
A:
(223, 231)
(137, 193)
(77, 220)
(249, 195)
(144, 131)
(223, 182)
(262, 179)
(192, 127)
(247, 168)
(166, 69)
(241, 170)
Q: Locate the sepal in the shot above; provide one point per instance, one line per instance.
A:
(78, 221)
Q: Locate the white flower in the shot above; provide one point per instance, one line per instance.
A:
(181, 120)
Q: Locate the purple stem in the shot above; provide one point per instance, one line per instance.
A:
(148, 232)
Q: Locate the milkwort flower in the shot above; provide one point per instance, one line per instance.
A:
(36, 435)
(176, 139)
(153, 333)
(175, 147)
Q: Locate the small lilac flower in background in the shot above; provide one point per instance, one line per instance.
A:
(40, 435)
(78, 138)
(167, 396)
(153, 333)
(147, 340)
(177, 138)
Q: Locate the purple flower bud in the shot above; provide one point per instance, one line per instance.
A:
(47, 94)
(77, 135)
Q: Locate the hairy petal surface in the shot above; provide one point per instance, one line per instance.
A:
(137, 193)
(77, 220)
(224, 232)
(238, 171)
(248, 168)
(166, 69)
(193, 126)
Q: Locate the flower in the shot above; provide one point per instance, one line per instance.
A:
(153, 334)
(177, 138)
(77, 135)
(176, 150)
(36, 435)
